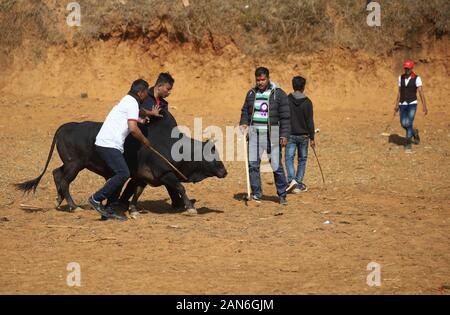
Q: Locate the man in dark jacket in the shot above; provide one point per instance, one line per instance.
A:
(265, 115)
(158, 93)
(302, 131)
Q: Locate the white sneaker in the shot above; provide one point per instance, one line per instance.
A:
(292, 185)
(256, 199)
(300, 188)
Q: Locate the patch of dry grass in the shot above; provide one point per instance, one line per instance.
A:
(257, 27)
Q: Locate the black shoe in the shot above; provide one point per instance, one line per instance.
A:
(97, 206)
(416, 136)
(111, 214)
(117, 205)
(283, 201)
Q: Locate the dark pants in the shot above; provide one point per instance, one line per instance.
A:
(258, 143)
(116, 162)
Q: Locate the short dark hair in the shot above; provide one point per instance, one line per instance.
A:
(139, 86)
(262, 71)
(298, 83)
(165, 77)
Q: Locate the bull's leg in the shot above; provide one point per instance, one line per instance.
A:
(134, 188)
(172, 182)
(177, 201)
(57, 176)
(70, 172)
(139, 188)
(128, 191)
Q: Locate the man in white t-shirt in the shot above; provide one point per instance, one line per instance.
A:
(409, 83)
(120, 122)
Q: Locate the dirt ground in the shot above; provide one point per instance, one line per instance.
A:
(385, 206)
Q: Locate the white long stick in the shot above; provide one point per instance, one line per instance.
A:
(247, 166)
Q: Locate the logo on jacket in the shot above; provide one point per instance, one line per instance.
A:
(264, 107)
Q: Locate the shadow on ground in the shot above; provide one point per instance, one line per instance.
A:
(396, 139)
(243, 197)
(165, 207)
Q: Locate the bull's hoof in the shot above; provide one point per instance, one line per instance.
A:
(58, 201)
(190, 212)
(73, 209)
(181, 206)
(134, 214)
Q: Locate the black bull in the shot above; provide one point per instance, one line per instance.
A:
(75, 144)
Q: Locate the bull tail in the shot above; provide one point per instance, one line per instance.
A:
(26, 187)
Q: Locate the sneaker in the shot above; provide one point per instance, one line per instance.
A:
(408, 145)
(111, 214)
(256, 198)
(97, 206)
(300, 188)
(416, 136)
(283, 201)
(292, 185)
(408, 148)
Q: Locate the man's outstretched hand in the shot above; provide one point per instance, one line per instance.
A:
(155, 112)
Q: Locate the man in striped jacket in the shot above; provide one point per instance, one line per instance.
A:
(266, 116)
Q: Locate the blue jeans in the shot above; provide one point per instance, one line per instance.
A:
(407, 114)
(116, 162)
(300, 144)
(259, 143)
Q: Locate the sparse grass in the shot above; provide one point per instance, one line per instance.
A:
(257, 27)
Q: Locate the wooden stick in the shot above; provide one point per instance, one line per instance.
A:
(28, 207)
(320, 167)
(170, 164)
(246, 167)
(385, 132)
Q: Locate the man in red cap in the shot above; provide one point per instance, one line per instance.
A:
(409, 83)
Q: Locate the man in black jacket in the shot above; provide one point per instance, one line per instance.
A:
(266, 111)
(302, 131)
(158, 93)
